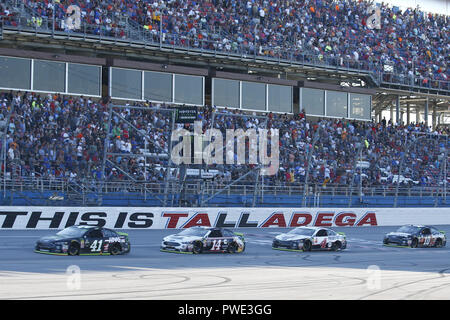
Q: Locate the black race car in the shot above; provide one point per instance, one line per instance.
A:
(415, 236)
(204, 239)
(84, 240)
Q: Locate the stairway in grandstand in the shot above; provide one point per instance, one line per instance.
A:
(435, 149)
(83, 194)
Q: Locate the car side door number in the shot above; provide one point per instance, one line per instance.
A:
(216, 245)
(96, 246)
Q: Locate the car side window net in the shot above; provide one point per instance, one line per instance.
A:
(95, 234)
(321, 233)
(215, 234)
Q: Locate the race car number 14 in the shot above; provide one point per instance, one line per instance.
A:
(216, 245)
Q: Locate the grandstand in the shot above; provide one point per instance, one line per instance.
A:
(92, 92)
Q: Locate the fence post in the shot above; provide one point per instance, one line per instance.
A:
(310, 152)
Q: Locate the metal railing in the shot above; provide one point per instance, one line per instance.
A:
(132, 33)
(68, 189)
(195, 186)
(401, 79)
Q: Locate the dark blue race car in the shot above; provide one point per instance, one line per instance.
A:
(415, 236)
(84, 240)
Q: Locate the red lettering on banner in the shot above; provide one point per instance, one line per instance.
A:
(297, 216)
(341, 220)
(199, 220)
(277, 219)
(173, 219)
(369, 218)
(324, 220)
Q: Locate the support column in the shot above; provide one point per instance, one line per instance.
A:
(392, 114)
(397, 109)
(434, 115)
(417, 114)
(408, 114)
(426, 112)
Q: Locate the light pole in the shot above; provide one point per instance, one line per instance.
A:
(160, 28)
(53, 18)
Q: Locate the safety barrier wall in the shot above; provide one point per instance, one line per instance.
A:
(29, 218)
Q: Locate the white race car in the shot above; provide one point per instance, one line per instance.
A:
(204, 240)
(310, 238)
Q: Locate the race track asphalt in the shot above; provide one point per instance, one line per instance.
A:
(365, 270)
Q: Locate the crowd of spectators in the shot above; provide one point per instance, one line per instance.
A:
(344, 149)
(50, 136)
(335, 32)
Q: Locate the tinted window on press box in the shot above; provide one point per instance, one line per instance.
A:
(226, 93)
(158, 86)
(337, 104)
(84, 79)
(49, 76)
(253, 95)
(188, 89)
(313, 101)
(126, 84)
(15, 73)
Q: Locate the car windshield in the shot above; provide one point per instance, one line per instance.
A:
(302, 231)
(408, 229)
(198, 232)
(71, 232)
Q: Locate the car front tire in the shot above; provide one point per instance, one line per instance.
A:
(116, 249)
(232, 247)
(336, 246)
(74, 249)
(197, 247)
(307, 245)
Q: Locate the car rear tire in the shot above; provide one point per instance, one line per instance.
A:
(336, 246)
(74, 249)
(414, 243)
(197, 247)
(115, 249)
(232, 247)
(307, 245)
(438, 243)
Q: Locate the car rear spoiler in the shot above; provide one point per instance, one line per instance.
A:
(341, 233)
(442, 231)
(239, 234)
(123, 234)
